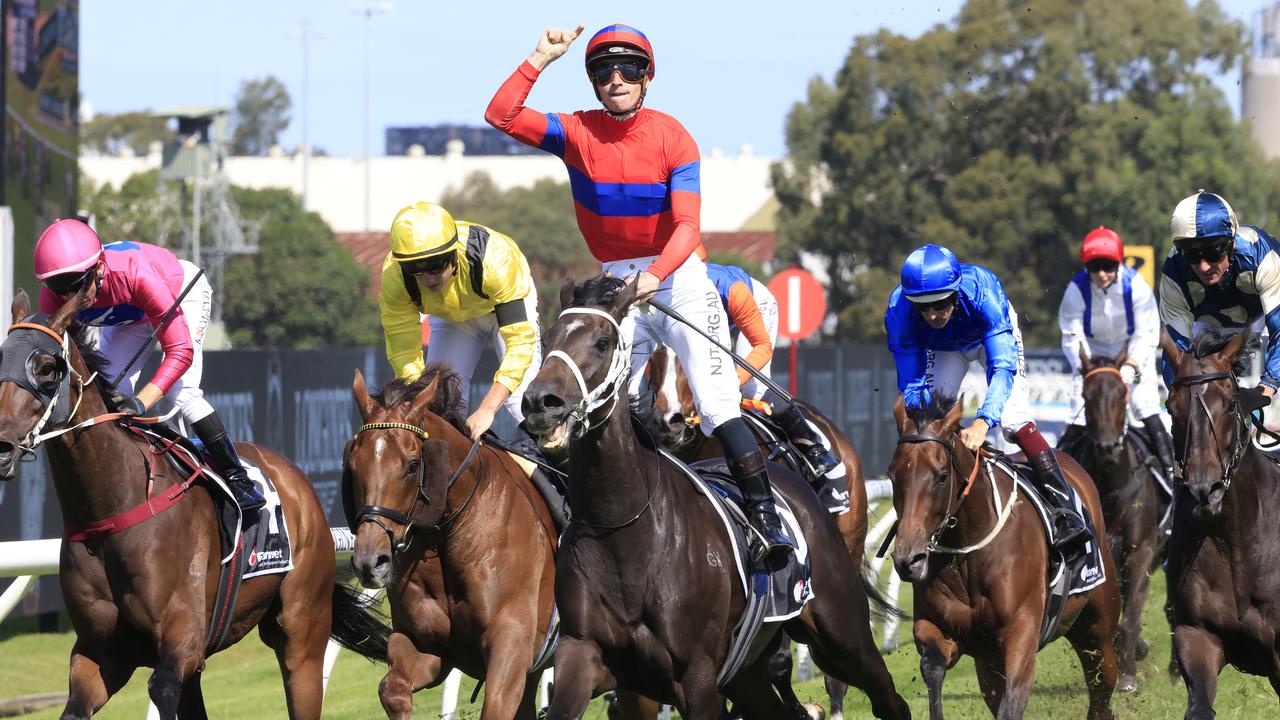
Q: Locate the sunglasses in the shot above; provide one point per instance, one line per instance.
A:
(1210, 254)
(630, 70)
(432, 266)
(1097, 266)
(70, 283)
(942, 304)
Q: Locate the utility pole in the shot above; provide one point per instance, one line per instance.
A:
(306, 35)
(369, 9)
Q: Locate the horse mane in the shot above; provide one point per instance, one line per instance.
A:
(1211, 340)
(937, 408)
(602, 289)
(445, 403)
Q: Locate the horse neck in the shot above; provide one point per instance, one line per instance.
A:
(469, 483)
(976, 515)
(1245, 501)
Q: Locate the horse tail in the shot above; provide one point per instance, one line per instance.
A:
(882, 609)
(358, 624)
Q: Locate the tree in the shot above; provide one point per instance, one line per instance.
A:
(262, 113)
(109, 134)
(1007, 135)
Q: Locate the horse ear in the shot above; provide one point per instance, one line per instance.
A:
(21, 306)
(625, 298)
(566, 293)
(905, 425)
(1084, 358)
(81, 300)
(424, 398)
(1123, 354)
(954, 415)
(1170, 347)
(1231, 351)
(364, 403)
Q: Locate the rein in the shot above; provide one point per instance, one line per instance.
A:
(374, 513)
(952, 517)
(1237, 452)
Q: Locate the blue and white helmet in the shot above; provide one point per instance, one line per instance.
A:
(930, 273)
(1200, 217)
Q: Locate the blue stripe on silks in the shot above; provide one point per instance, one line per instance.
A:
(687, 177)
(618, 199)
(122, 314)
(1126, 284)
(1211, 216)
(553, 139)
(1081, 281)
(121, 245)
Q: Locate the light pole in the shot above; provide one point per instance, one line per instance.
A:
(368, 9)
(306, 35)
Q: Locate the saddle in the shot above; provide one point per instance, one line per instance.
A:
(831, 488)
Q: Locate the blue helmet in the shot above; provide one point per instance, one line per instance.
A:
(930, 273)
(1202, 217)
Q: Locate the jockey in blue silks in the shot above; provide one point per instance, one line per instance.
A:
(944, 316)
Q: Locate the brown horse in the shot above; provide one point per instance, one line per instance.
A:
(988, 601)
(144, 596)
(1127, 489)
(1224, 576)
(647, 590)
(467, 556)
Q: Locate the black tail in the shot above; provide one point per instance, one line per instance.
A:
(881, 609)
(358, 624)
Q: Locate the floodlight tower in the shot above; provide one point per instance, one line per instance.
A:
(1260, 91)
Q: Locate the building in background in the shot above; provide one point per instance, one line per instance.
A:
(434, 140)
(1260, 91)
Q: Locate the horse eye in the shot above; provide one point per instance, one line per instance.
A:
(412, 468)
(602, 344)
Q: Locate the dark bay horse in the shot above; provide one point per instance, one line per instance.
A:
(646, 585)
(988, 599)
(1130, 504)
(144, 596)
(469, 565)
(1224, 552)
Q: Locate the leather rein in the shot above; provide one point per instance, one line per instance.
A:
(1237, 452)
(955, 499)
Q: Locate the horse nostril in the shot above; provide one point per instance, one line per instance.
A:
(551, 402)
(676, 420)
(381, 561)
(6, 448)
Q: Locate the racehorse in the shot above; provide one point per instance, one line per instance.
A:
(647, 590)
(988, 600)
(1127, 489)
(144, 595)
(462, 541)
(668, 408)
(1224, 578)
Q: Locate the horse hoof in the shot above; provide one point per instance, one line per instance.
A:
(1127, 684)
(815, 712)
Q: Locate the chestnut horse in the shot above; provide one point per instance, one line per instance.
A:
(462, 541)
(987, 600)
(1223, 566)
(1130, 504)
(647, 590)
(144, 596)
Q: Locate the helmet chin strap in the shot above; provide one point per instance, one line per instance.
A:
(624, 116)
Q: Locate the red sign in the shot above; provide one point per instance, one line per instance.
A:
(802, 303)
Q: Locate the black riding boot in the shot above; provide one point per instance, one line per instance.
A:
(1068, 527)
(1163, 442)
(815, 454)
(227, 463)
(746, 464)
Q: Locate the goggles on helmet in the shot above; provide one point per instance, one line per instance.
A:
(70, 283)
(1102, 265)
(1210, 250)
(632, 70)
(433, 265)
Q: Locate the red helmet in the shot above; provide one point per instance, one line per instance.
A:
(619, 41)
(1101, 243)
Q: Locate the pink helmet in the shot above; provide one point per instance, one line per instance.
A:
(66, 246)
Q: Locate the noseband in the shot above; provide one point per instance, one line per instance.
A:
(375, 513)
(953, 497)
(607, 390)
(1242, 437)
(1108, 370)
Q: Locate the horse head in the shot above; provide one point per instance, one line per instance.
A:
(667, 401)
(37, 360)
(1210, 431)
(586, 364)
(926, 491)
(396, 469)
(1106, 401)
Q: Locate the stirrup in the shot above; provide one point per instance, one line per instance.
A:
(819, 460)
(1075, 535)
(246, 494)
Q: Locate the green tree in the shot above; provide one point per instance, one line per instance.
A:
(109, 134)
(303, 289)
(1007, 135)
(262, 113)
(140, 210)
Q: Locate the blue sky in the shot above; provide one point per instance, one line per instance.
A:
(728, 69)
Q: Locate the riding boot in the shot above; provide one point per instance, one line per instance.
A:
(746, 464)
(815, 453)
(1068, 527)
(227, 463)
(1163, 442)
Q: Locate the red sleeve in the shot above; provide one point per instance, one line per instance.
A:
(155, 298)
(746, 314)
(685, 179)
(508, 113)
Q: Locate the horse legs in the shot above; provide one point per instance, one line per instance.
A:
(1092, 636)
(990, 682)
(836, 689)
(407, 671)
(1134, 581)
(92, 682)
(507, 656)
(181, 656)
(636, 707)
(578, 672)
(753, 695)
(1200, 658)
(1020, 644)
(779, 666)
(937, 653)
(191, 704)
(299, 642)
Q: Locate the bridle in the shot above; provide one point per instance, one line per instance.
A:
(1109, 370)
(955, 498)
(1242, 437)
(376, 513)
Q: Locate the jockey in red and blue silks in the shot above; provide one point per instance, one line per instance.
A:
(635, 177)
(946, 315)
(132, 285)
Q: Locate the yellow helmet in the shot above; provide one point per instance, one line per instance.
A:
(422, 230)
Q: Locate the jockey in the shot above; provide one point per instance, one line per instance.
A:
(753, 313)
(134, 285)
(1107, 306)
(946, 315)
(475, 285)
(635, 175)
(1222, 274)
